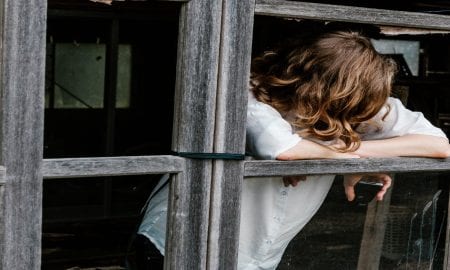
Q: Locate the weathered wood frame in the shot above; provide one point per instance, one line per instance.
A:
(315, 11)
(111, 166)
(211, 82)
(344, 166)
(208, 51)
(23, 26)
(2, 191)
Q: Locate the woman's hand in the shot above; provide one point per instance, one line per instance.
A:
(351, 180)
(293, 180)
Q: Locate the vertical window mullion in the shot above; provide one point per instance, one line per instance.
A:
(109, 104)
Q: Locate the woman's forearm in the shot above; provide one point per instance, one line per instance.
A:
(306, 149)
(408, 145)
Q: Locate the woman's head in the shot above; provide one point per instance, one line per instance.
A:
(332, 83)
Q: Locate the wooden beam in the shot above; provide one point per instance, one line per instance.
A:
(139, 13)
(2, 176)
(374, 231)
(234, 71)
(183, 1)
(2, 210)
(446, 263)
(194, 116)
(325, 12)
(344, 166)
(110, 166)
(22, 69)
(109, 2)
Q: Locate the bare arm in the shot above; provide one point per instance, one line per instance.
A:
(306, 149)
(407, 145)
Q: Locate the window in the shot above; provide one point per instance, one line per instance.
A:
(79, 76)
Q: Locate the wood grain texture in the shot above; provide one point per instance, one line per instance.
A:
(373, 234)
(187, 232)
(344, 166)
(110, 166)
(110, 1)
(304, 10)
(234, 74)
(156, 0)
(446, 263)
(229, 137)
(193, 131)
(22, 115)
(225, 213)
(196, 79)
(2, 192)
(2, 189)
(2, 175)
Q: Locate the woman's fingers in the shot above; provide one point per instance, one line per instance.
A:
(386, 180)
(351, 180)
(349, 185)
(293, 180)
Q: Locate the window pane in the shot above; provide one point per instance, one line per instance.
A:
(124, 76)
(79, 75)
(414, 223)
(409, 50)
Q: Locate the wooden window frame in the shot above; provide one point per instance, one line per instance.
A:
(205, 194)
(316, 11)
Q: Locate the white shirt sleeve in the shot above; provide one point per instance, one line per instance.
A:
(268, 134)
(398, 122)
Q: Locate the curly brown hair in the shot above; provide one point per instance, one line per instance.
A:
(331, 83)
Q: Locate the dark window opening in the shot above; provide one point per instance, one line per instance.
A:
(433, 6)
(91, 60)
(110, 77)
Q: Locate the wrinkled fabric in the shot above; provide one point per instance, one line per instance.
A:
(272, 214)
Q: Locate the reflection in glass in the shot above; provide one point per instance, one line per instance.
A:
(413, 238)
(79, 75)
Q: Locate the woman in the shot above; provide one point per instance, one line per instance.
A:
(326, 97)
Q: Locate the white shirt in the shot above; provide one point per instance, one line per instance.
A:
(272, 214)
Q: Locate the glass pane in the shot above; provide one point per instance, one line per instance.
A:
(414, 223)
(124, 76)
(79, 75)
(409, 50)
(415, 226)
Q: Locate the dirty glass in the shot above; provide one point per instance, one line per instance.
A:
(407, 48)
(410, 233)
(79, 75)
